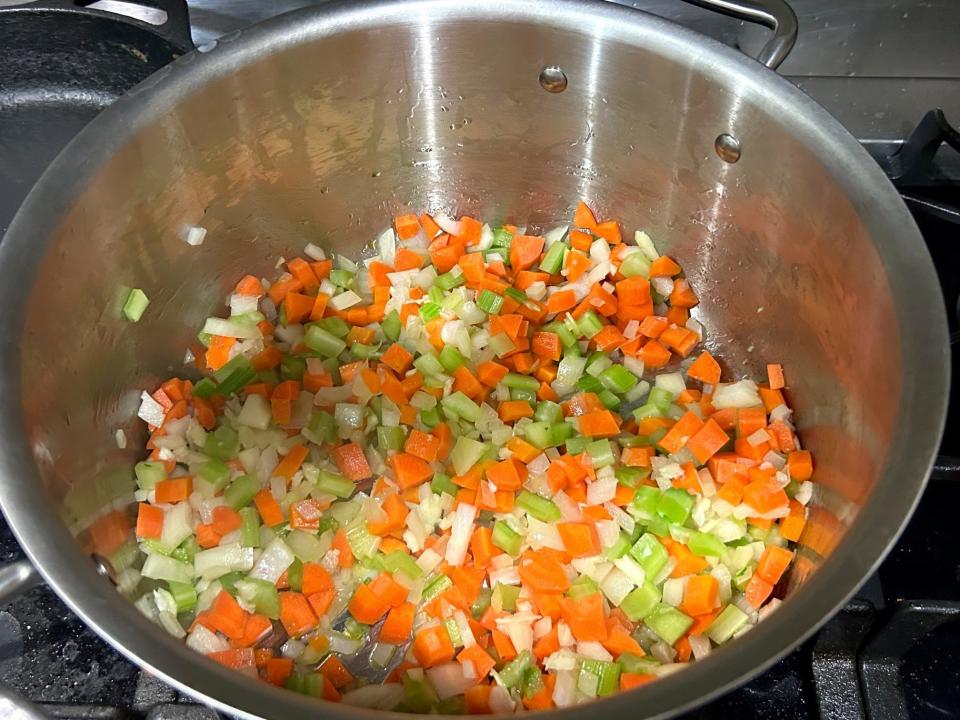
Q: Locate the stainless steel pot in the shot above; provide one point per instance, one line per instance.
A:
(318, 125)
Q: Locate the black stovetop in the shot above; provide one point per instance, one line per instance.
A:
(893, 652)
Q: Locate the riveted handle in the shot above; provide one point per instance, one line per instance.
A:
(774, 14)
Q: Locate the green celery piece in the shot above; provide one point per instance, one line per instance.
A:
(215, 473)
(205, 388)
(335, 484)
(632, 476)
(364, 352)
(295, 575)
(429, 365)
(323, 425)
(618, 379)
(658, 526)
(583, 586)
(675, 505)
(480, 605)
(230, 580)
(418, 695)
(355, 630)
(601, 453)
(222, 444)
(343, 278)
(668, 623)
(650, 553)
(501, 238)
(512, 673)
(490, 302)
(451, 358)
(619, 548)
(645, 501)
(323, 341)
(135, 305)
(590, 384)
(640, 601)
(431, 417)
(504, 597)
(729, 621)
(391, 325)
(525, 395)
(506, 538)
(442, 483)
(548, 411)
(241, 491)
(609, 400)
(461, 406)
(541, 508)
(703, 544)
(436, 585)
(186, 550)
(399, 561)
(292, 368)
(250, 530)
(149, 474)
(453, 631)
(430, 311)
(537, 434)
(576, 445)
(636, 665)
(466, 453)
(390, 438)
(607, 675)
(589, 324)
(184, 595)
(553, 260)
(663, 399)
(521, 382)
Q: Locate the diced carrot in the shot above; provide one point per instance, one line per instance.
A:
(561, 301)
(249, 285)
(575, 265)
(700, 595)
(773, 563)
(225, 520)
(682, 431)
(663, 266)
(525, 251)
(351, 461)
(503, 645)
(397, 358)
(764, 497)
(477, 699)
(422, 445)
(225, 615)
(397, 627)
(482, 547)
(583, 217)
(599, 423)
(580, 539)
(291, 462)
(654, 355)
(679, 339)
(791, 527)
(173, 490)
(207, 537)
(584, 616)
(278, 670)
(269, 509)
(409, 470)
(707, 441)
(705, 369)
(628, 681)
(490, 373)
(609, 230)
(466, 382)
(619, 641)
(149, 521)
(432, 646)
(542, 573)
(800, 465)
(757, 591)
(633, 291)
(512, 410)
(296, 615)
(366, 606)
(546, 345)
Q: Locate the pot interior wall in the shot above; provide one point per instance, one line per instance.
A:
(323, 140)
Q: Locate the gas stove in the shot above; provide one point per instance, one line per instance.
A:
(892, 652)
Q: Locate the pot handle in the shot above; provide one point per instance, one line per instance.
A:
(175, 27)
(774, 14)
(16, 578)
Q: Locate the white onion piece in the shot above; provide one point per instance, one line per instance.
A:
(460, 533)
(378, 697)
(449, 680)
(742, 394)
(151, 412)
(274, 561)
(206, 641)
(447, 224)
(601, 491)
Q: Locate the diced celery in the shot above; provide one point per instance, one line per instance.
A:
(430, 417)
(292, 368)
(553, 260)
(650, 553)
(441, 483)
(461, 406)
(539, 507)
(184, 595)
(429, 365)
(295, 575)
(466, 453)
(186, 550)
(601, 453)
(660, 397)
(641, 601)
(582, 587)
(234, 375)
(668, 623)
(355, 630)
(448, 281)
(391, 325)
(637, 665)
(548, 411)
(205, 387)
(436, 585)
(576, 445)
(525, 395)
(609, 400)
(250, 530)
(430, 311)
(599, 676)
(222, 444)
(451, 358)
(335, 484)
(619, 548)
(262, 594)
(399, 561)
(343, 278)
(701, 543)
(632, 476)
(504, 597)
(323, 342)
(635, 264)
(589, 324)
(215, 473)
(588, 383)
(241, 491)
(521, 382)
(512, 673)
(618, 379)
(675, 505)
(489, 302)
(730, 619)
(135, 305)
(506, 538)
(149, 474)
(390, 438)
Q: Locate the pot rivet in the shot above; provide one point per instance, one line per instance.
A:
(727, 147)
(553, 79)
(103, 567)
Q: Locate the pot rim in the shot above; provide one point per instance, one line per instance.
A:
(909, 269)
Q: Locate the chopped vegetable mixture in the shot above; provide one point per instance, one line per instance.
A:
(482, 470)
